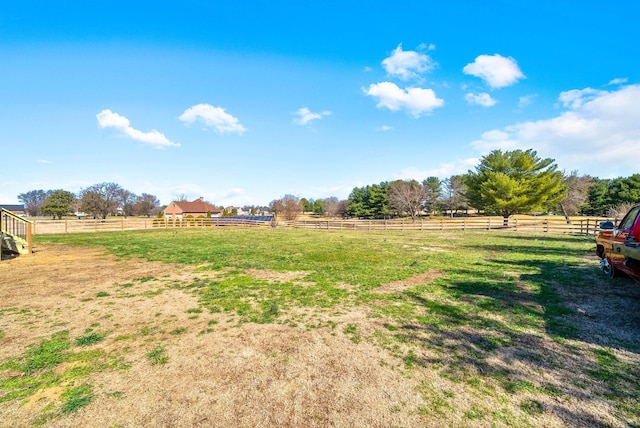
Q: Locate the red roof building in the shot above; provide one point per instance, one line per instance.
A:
(198, 208)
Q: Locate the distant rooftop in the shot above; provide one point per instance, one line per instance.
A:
(12, 207)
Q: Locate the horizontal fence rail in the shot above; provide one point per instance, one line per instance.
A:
(134, 223)
(583, 226)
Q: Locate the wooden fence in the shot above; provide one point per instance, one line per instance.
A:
(584, 226)
(529, 224)
(136, 223)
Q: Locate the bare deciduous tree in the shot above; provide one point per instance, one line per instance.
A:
(619, 211)
(407, 197)
(333, 207)
(100, 199)
(145, 204)
(453, 195)
(289, 206)
(126, 200)
(33, 200)
(577, 194)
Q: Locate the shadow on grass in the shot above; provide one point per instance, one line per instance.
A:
(557, 319)
(535, 245)
(563, 238)
(476, 360)
(580, 303)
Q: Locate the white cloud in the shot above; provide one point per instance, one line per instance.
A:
(526, 100)
(212, 117)
(304, 115)
(619, 81)
(417, 101)
(407, 64)
(385, 128)
(595, 135)
(496, 70)
(494, 139)
(575, 98)
(235, 197)
(108, 119)
(482, 99)
(445, 170)
(44, 161)
(495, 135)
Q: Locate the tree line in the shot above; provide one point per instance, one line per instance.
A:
(504, 183)
(99, 201)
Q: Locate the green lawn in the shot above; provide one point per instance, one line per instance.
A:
(498, 314)
(478, 272)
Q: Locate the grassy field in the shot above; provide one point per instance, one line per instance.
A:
(318, 329)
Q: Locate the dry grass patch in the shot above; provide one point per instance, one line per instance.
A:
(276, 276)
(412, 281)
(215, 374)
(498, 339)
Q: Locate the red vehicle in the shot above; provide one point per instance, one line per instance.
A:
(619, 247)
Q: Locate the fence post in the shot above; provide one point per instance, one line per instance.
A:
(65, 226)
(547, 225)
(464, 223)
(121, 224)
(29, 239)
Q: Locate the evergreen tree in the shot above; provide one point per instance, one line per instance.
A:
(59, 203)
(514, 182)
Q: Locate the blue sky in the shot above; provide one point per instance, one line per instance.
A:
(243, 102)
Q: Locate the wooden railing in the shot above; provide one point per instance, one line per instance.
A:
(136, 223)
(530, 224)
(17, 228)
(583, 226)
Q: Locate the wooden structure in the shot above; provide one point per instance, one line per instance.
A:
(15, 233)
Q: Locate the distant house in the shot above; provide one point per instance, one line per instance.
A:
(16, 209)
(231, 210)
(177, 210)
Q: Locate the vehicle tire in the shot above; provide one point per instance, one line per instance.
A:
(607, 268)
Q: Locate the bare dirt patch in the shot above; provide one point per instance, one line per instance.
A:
(276, 276)
(218, 373)
(341, 368)
(412, 281)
